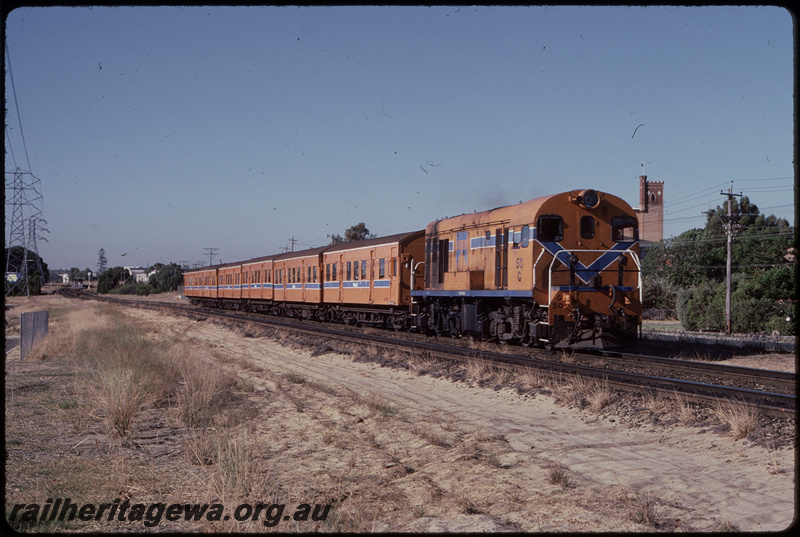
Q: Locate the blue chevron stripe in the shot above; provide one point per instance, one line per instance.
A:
(583, 272)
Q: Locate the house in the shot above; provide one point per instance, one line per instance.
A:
(139, 274)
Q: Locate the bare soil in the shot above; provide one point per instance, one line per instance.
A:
(390, 449)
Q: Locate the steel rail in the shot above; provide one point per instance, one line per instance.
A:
(782, 405)
(784, 379)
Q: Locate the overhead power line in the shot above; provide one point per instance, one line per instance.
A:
(16, 105)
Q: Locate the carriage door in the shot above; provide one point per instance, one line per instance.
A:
(500, 260)
(394, 278)
(371, 269)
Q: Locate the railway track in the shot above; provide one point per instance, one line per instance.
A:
(774, 397)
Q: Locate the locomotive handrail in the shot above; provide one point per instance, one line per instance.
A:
(541, 253)
(634, 256)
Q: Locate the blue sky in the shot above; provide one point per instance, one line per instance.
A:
(158, 132)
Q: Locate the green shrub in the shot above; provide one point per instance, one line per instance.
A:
(682, 308)
(144, 290)
(706, 308)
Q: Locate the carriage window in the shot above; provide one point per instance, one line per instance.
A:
(381, 268)
(525, 235)
(587, 227)
(623, 229)
(364, 270)
(333, 272)
(550, 227)
(349, 270)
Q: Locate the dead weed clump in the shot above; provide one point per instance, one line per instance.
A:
(641, 508)
(237, 472)
(741, 418)
(202, 391)
(558, 474)
(128, 371)
(379, 404)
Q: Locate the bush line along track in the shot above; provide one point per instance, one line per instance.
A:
(770, 403)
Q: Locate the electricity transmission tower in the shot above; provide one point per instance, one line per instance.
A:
(25, 227)
(211, 252)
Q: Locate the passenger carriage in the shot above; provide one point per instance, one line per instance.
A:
(301, 289)
(258, 286)
(201, 283)
(229, 284)
(374, 276)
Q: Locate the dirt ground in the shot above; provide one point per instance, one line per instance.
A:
(390, 449)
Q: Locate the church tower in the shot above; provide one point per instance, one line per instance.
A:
(651, 210)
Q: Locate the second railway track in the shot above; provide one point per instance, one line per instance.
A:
(772, 392)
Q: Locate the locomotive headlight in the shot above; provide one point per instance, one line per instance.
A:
(590, 198)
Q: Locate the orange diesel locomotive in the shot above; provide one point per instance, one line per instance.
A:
(561, 270)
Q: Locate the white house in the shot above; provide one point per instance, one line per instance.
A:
(139, 274)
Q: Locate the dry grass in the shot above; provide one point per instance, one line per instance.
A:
(66, 326)
(558, 474)
(742, 419)
(656, 404)
(641, 508)
(432, 435)
(686, 413)
(125, 368)
(378, 403)
(479, 369)
(599, 395)
(643, 511)
(380, 466)
(237, 472)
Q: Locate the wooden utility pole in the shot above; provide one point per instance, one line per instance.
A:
(729, 229)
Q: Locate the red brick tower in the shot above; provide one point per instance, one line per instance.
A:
(651, 210)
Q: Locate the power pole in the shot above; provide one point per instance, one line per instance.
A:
(293, 241)
(211, 252)
(729, 226)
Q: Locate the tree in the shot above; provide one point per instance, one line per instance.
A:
(109, 279)
(166, 277)
(687, 273)
(75, 274)
(358, 232)
(102, 262)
